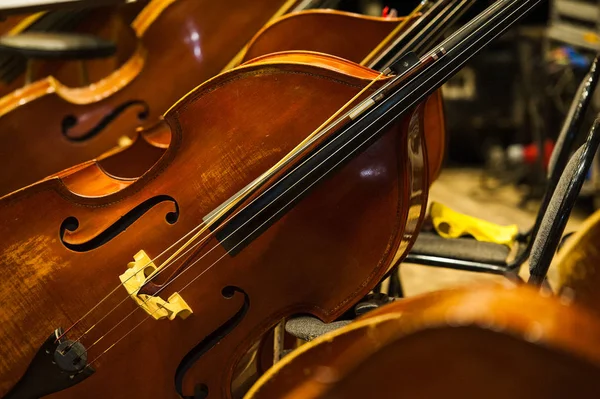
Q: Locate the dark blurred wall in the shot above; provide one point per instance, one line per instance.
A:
(539, 15)
(484, 102)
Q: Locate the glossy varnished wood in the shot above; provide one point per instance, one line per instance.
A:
(347, 232)
(494, 342)
(578, 264)
(110, 23)
(353, 37)
(346, 35)
(181, 44)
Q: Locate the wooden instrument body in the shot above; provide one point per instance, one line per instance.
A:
(47, 127)
(363, 32)
(345, 35)
(347, 232)
(352, 37)
(110, 23)
(578, 264)
(471, 342)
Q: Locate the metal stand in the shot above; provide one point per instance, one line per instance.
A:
(558, 163)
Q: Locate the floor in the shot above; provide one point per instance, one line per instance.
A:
(460, 189)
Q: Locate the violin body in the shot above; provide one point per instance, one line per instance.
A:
(348, 232)
(490, 341)
(181, 43)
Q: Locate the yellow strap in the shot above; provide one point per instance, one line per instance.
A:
(451, 224)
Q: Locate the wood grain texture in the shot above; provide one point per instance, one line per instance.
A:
(220, 142)
(346, 35)
(187, 42)
(486, 341)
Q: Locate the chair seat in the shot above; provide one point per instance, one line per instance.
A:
(308, 328)
(467, 249)
(68, 46)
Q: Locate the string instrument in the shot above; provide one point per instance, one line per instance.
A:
(492, 341)
(363, 40)
(282, 176)
(369, 41)
(577, 264)
(110, 23)
(351, 36)
(181, 43)
(147, 146)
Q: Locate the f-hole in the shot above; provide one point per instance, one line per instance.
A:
(201, 390)
(70, 122)
(72, 223)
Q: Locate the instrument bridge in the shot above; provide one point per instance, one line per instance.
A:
(137, 274)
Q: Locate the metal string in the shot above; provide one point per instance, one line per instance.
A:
(396, 30)
(318, 179)
(320, 131)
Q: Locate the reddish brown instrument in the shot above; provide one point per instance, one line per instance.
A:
(47, 127)
(110, 23)
(490, 342)
(63, 247)
(353, 37)
(578, 264)
(346, 35)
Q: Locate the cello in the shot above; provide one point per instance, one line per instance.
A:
(73, 125)
(244, 233)
(486, 341)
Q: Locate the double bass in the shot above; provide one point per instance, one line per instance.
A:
(109, 23)
(282, 176)
(485, 341)
(136, 157)
(354, 37)
(180, 43)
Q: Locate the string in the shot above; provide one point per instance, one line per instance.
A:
(323, 175)
(173, 259)
(408, 19)
(120, 285)
(178, 255)
(388, 38)
(344, 145)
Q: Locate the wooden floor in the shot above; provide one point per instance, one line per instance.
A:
(460, 189)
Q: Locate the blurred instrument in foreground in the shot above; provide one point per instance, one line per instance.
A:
(493, 342)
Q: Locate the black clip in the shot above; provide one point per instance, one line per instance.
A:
(403, 64)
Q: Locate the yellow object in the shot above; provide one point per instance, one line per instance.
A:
(25, 23)
(591, 38)
(451, 224)
(134, 278)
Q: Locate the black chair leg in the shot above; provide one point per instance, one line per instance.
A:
(395, 289)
